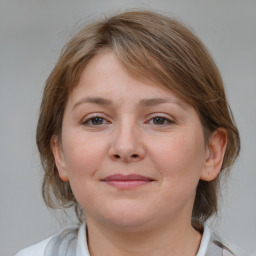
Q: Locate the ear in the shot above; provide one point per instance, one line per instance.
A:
(59, 158)
(215, 154)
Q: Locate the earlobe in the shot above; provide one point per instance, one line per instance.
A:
(215, 154)
(59, 158)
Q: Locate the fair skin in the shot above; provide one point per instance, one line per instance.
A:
(133, 153)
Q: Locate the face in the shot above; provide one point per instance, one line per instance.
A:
(132, 151)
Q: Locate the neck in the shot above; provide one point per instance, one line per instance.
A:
(178, 238)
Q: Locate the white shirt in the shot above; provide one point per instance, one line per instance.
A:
(82, 248)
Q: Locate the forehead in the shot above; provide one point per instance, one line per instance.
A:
(104, 76)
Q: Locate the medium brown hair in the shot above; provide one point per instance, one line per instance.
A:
(152, 46)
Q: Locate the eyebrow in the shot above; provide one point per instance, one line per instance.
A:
(157, 101)
(94, 100)
(144, 102)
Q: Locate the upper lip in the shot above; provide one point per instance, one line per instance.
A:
(130, 177)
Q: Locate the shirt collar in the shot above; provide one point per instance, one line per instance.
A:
(82, 248)
(204, 241)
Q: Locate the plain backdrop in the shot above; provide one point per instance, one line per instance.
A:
(32, 34)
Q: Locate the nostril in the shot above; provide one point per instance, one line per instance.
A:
(126, 157)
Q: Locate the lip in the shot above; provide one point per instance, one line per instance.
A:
(130, 181)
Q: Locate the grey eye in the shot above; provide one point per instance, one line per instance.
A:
(96, 120)
(160, 120)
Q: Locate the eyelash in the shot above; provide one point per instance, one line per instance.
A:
(89, 120)
(164, 121)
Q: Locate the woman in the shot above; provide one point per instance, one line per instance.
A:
(135, 133)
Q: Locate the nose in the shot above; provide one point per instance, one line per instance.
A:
(127, 145)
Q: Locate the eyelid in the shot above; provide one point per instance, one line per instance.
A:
(166, 116)
(88, 117)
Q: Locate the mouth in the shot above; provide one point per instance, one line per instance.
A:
(126, 182)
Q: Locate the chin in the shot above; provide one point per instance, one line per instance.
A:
(130, 219)
(129, 224)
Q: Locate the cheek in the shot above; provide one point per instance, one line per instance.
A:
(179, 159)
(82, 155)
(179, 166)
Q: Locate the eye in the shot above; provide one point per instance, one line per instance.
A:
(159, 120)
(95, 121)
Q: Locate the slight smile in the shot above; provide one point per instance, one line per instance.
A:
(124, 182)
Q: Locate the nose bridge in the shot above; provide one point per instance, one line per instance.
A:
(127, 143)
(126, 134)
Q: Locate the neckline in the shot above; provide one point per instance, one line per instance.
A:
(82, 247)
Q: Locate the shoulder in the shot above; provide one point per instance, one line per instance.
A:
(44, 247)
(36, 249)
(218, 243)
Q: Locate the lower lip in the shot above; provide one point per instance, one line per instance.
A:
(127, 184)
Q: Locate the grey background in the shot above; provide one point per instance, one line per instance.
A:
(31, 36)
